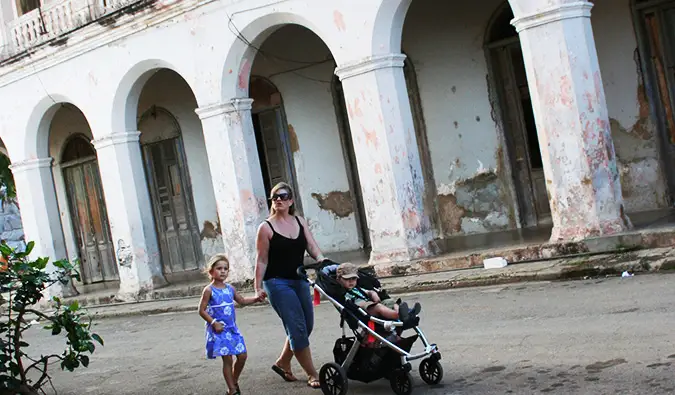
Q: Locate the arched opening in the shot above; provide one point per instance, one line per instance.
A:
(506, 65)
(173, 148)
(80, 195)
(299, 138)
(275, 144)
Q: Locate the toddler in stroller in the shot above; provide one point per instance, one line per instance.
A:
(377, 350)
(347, 275)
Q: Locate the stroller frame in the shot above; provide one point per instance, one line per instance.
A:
(401, 381)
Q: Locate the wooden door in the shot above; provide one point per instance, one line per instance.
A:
(521, 133)
(90, 222)
(274, 150)
(175, 220)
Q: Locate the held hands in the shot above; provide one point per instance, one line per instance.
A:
(260, 295)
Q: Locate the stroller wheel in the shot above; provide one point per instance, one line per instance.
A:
(401, 382)
(431, 371)
(333, 379)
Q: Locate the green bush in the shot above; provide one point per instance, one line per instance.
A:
(22, 285)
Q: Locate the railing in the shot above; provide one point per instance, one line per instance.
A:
(55, 19)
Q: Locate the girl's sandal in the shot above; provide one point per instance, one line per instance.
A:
(314, 383)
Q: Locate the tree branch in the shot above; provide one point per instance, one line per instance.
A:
(17, 347)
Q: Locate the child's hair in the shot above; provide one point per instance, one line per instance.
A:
(214, 261)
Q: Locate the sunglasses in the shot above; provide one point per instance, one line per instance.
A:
(283, 196)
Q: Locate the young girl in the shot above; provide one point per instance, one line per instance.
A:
(216, 307)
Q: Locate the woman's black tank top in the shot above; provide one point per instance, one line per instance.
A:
(285, 255)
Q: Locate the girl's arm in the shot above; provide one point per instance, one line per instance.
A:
(243, 300)
(203, 302)
(312, 246)
(262, 245)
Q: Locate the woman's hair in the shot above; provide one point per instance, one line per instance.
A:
(277, 188)
(214, 261)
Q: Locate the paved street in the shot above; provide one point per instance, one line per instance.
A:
(606, 336)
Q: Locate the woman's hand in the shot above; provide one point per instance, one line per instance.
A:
(260, 294)
(217, 326)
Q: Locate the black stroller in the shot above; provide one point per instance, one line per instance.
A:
(377, 350)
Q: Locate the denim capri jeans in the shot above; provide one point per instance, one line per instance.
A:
(292, 301)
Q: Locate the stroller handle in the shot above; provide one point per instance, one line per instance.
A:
(302, 270)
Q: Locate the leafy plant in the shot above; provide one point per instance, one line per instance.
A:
(22, 285)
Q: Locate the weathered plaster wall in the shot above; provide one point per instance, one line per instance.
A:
(313, 129)
(634, 133)
(168, 90)
(445, 43)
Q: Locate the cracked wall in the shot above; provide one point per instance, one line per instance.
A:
(633, 131)
(474, 188)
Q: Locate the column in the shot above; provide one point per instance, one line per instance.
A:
(130, 215)
(40, 215)
(387, 158)
(237, 180)
(572, 121)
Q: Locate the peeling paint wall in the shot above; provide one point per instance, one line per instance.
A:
(313, 132)
(168, 90)
(633, 131)
(445, 42)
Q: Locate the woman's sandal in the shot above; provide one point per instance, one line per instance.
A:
(287, 376)
(314, 383)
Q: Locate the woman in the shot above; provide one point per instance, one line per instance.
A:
(281, 244)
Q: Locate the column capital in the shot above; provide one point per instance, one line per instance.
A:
(31, 164)
(116, 139)
(235, 105)
(369, 64)
(578, 9)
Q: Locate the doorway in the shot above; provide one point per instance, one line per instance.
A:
(508, 69)
(88, 211)
(170, 192)
(272, 137)
(656, 26)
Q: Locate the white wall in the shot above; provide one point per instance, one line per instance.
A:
(634, 133)
(310, 112)
(445, 41)
(168, 90)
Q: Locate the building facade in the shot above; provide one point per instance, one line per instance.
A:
(145, 135)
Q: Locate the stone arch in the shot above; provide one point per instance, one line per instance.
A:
(240, 57)
(36, 139)
(130, 87)
(388, 29)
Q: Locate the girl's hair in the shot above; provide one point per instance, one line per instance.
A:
(214, 261)
(277, 188)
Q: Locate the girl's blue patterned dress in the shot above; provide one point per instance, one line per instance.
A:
(221, 308)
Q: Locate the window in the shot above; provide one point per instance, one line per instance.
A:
(26, 6)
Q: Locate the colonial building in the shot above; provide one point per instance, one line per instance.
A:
(144, 135)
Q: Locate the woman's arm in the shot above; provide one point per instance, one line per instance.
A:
(312, 246)
(262, 246)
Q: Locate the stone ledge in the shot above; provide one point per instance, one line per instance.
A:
(646, 239)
